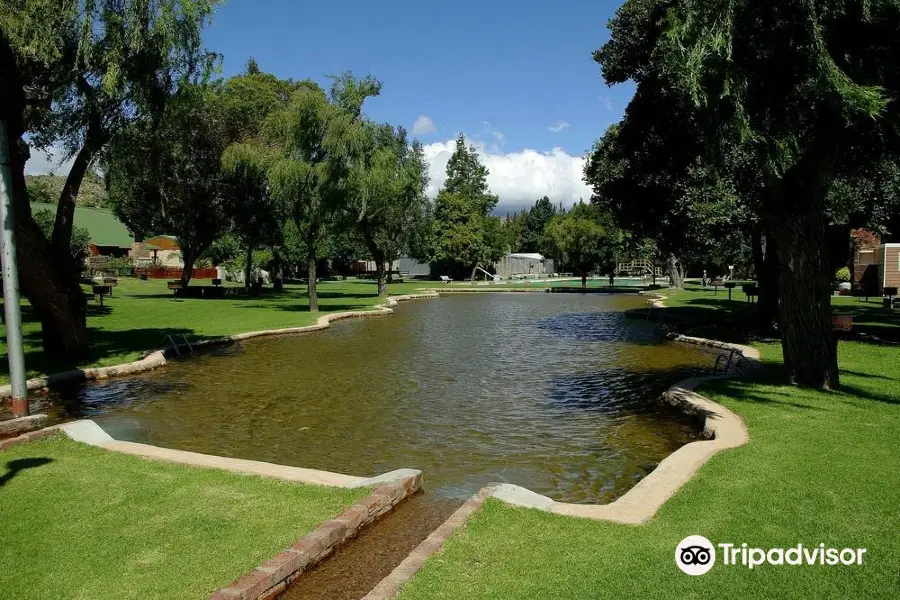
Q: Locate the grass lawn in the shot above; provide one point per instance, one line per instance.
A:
(820, 467)
(80, 522)
(142, 313)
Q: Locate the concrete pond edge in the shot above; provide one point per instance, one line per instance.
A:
(723, 429)
(276, 574)
(158, 358)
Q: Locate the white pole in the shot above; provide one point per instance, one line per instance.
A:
(14, 348)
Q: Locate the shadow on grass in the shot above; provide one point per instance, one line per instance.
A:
(13, 467)
(103, 344)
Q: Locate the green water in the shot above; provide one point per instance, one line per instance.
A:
(553, 392)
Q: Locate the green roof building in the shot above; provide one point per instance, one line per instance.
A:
(108, 234)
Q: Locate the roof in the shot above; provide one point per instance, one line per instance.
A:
(103, 226)
(528, 255)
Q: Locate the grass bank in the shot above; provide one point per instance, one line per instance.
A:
(820, 467)
(81, 522)
(141, 313)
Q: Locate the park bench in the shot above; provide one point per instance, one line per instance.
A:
(445, 279)
(175, 286)
(716, 283)
(216, 282)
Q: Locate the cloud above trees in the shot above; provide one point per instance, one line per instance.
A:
(423, 125)
(518, 178)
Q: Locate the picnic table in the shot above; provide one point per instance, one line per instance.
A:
(175, 286)
(751, 290)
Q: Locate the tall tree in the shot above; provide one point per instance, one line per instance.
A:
(319, 139)
(73, 74)
(801, 86)
(246, 102)
(540, 214)
(389, 202)
(584, 239)
(167, 174)
(465, 234)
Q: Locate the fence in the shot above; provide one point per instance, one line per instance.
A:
(175, 272)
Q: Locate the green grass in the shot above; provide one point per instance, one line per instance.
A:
(141, 313)
(819, 467)
(84, 523)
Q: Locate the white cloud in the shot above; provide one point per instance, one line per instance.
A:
(423, 125)
(559, 126)
(44, 163)
(607, 102)
(518, 178)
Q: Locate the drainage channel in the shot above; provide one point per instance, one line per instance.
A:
(359, 565)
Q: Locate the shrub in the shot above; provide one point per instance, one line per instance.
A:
(119, 267)
(842, 275)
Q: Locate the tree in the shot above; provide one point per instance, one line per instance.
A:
(167, 174)
(248, 201)
(465, 235)
(536, 222)
(785, 83)
(73, 74)
(389, 203)
(319, 138)
(81, 237)
(584, 239)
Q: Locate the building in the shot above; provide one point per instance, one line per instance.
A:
(160, 250)
(887, 258)
(108, 235)
(523, 264)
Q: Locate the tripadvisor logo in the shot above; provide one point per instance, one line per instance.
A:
(696, 555)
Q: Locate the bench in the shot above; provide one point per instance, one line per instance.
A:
(175, 286)
(445, 279)
(716, 283)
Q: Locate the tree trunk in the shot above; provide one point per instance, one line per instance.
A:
(48, 279)
(65, 209)
(379, 275)
(796, 218)
(248, 267)
(765, 262)
(311, 280)
(189, 257)
(278, 271)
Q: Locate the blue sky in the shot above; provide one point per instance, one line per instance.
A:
(520, 66)
(516, 77)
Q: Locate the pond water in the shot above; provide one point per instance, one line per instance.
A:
(553, 392)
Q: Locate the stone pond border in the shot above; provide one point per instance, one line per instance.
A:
(722, 428)
(272, 577)
(157, 358)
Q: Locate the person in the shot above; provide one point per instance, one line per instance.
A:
(704, 278)
(612, 279)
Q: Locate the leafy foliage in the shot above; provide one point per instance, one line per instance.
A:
(584, 239)
(464, 233)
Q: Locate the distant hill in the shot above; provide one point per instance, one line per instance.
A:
(47, 188)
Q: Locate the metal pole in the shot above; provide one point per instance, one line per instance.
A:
(14, 347)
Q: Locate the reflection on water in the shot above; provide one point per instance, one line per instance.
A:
(553, 392)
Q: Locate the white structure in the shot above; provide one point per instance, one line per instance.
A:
(523, 264)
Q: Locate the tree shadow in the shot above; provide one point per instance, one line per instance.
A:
(104, 344)
(862, 392)
(14, 467)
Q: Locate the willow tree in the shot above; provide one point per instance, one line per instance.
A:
(319, 137)
(73, 74)
(167, 176)
(388, 203)
(800, 85)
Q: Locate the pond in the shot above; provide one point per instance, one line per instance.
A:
(556, 393)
